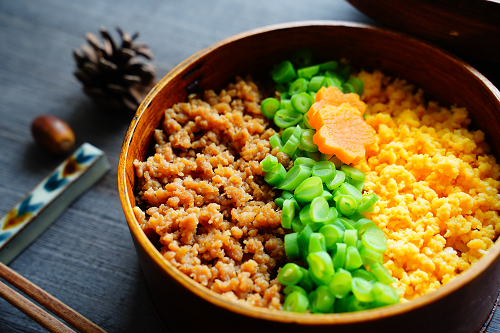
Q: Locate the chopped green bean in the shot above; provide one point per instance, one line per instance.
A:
(291, 288)
(352, 258)
(308, 190)
(316, 83)
(369, 256)
(275, 141)
(290, 274)
(374, 239)
(316, 242)
(286, 104)
(347, 223)
(356, 217)
(321, 300)
(346, 204)
(350, 237)
(363, 224)
(347, 88)
(287, 213)
(337, 79)
(305, 119)
(362, 290)
(381, 273)
(341, 304)
(308, 72)
(297, 132)
(348, 189)
(309, 162)
(285, 95)
(298, 86)
(284, 72)
(353, 173)
(333, 234)
(297, 225)
(287, 195)
(305, 214)
(330, 81)
(353, 304)
(319, 209)
(320, 267)
(276, 175)
(324, 170)
(306, 140)
(336, 181)
(384, 295)
(298, 153)
(268, 163)
(279, 201)
(340, 286)
(269, 106)
(285, 118)
(291, 146)
(313, 95)
(333, 214)
(294, 177)
(364, 274)
(358, 185)
(296, 302)
(367, 203)
(327, 195)
(306, 282)
(340, 255)
(304, 236)
(301, 102)
(287, 133)
(292, 250)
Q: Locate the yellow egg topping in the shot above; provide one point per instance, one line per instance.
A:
(438, 186)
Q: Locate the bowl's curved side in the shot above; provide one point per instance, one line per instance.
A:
(447, 78)
(467, 26)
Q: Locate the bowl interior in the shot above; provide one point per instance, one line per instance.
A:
(443, 78)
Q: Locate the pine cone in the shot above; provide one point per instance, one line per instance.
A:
(112, 75)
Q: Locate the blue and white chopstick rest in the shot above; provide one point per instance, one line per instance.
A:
(34, 214)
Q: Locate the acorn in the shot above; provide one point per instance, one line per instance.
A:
(53, 134)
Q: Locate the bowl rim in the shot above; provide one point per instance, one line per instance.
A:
(265, 313)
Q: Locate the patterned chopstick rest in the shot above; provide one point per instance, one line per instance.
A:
(29, 218)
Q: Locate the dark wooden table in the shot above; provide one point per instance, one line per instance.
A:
(86, 258)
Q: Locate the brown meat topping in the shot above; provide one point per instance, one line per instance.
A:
(204, 194)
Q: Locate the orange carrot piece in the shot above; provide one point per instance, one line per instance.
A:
(345, 134)
(332, 95)
(314, 108)
(326, 113)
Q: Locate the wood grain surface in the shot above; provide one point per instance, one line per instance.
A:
(87, 259)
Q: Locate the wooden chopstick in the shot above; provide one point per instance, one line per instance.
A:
(33, 311)
(51, 303)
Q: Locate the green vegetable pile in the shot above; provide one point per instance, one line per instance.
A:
(298, 81)
(323, 204)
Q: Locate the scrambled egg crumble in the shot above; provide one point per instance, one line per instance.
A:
(437, 185)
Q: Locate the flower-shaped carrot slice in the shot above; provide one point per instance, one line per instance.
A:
(332, 95)
(342, 131)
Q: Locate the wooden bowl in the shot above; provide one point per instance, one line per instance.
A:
(469, 27)
(462, 305)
